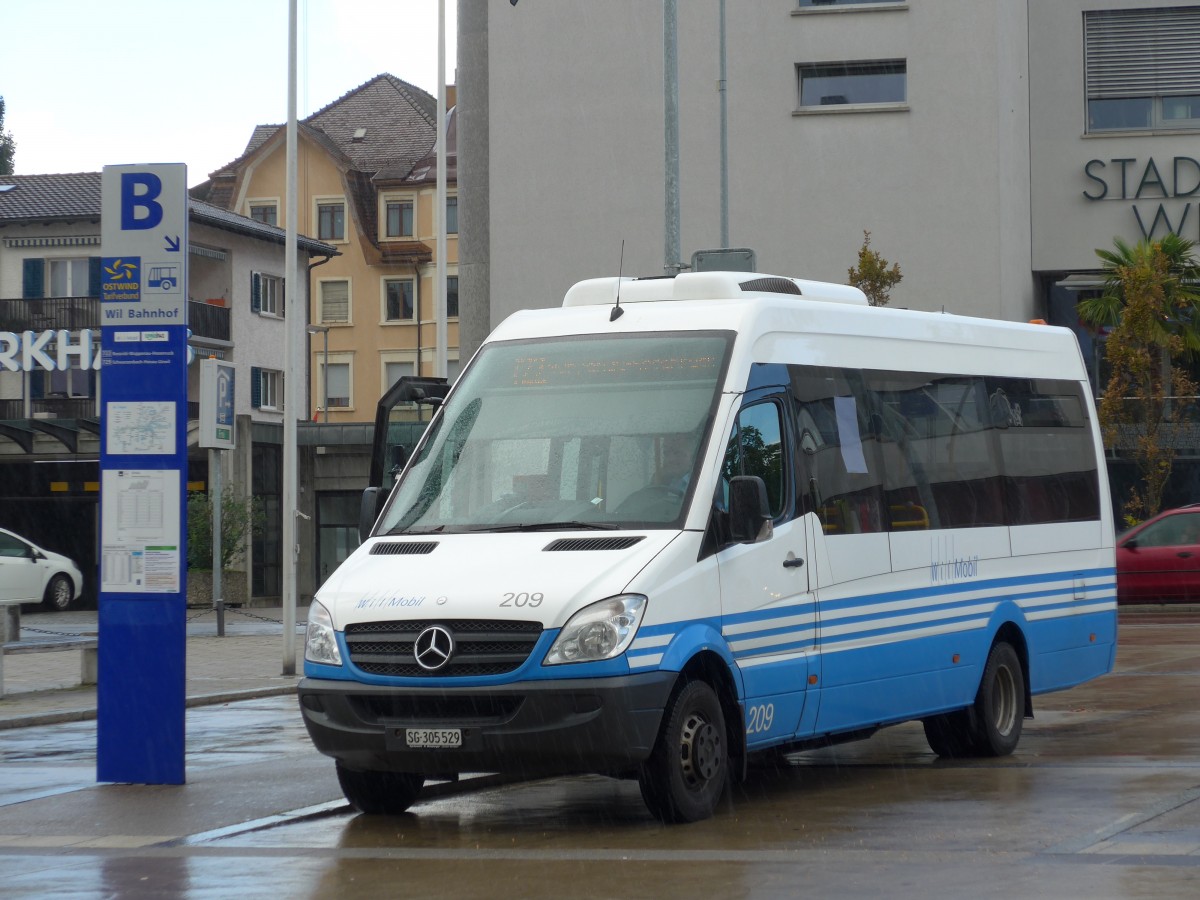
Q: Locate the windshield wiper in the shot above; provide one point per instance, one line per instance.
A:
(415, 529)
(546, 526)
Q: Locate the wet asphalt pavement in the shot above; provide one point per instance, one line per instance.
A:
(1102, 799)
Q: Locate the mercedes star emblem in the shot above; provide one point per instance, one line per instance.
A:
(433, 648)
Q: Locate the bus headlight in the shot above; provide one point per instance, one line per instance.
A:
(600, 631)
(320, 642)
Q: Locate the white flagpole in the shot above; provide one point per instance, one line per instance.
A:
(439, 292)
(295, 316)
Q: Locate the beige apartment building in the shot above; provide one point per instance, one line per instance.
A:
(367, 173)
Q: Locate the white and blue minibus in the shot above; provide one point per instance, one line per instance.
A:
(679, 521)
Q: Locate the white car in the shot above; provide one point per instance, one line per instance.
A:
(32, 574)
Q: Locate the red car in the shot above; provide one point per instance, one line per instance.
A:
(1159, 560)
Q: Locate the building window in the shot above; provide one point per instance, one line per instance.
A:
(338, 384)
(870, 83)
(400, 218)
(72, 383)
(267, 213)
(335, 301)
(394, 371)
(809, 4)
(1142, 69)
(68, 277)
(266, 388)
(451, 215)
(266, 294)
(399, 297)
(451, 296)
(331, 221)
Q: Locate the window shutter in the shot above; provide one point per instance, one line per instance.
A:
(95, 278)
(339, 384)
(1142, 52)
(255, 293)
(335, 301)
(33, 282)
(255, 386)
(282, 292)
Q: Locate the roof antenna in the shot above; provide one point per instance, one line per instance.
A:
(617, 312)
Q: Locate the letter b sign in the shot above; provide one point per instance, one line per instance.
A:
(139, 207)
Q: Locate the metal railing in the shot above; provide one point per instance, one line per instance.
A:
(49, 314)
(209, 321)
(73, 313)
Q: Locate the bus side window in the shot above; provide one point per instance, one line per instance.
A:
(756, 448)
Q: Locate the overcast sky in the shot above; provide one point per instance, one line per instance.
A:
(90, 83)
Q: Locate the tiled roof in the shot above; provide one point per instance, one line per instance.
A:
(47, 198)
(382, 132)
(42, 197)
(398, 118)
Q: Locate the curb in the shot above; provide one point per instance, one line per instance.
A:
(88, 713)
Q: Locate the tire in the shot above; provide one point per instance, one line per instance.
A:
(992, 725)
(1000, 703)
(379, 793)
(950, 735)
(688, 769)
(59, 593)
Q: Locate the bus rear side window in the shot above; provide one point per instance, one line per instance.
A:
(947, 451)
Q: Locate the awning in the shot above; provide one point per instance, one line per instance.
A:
(1083, 281)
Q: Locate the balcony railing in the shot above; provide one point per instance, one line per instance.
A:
(74, 313)
(208, 321)
(49, 314)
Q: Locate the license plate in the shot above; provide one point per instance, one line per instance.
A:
(432, 738)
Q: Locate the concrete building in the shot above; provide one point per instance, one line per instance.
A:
(50, 417)
(989, 148)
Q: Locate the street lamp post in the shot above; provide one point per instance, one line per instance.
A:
(324, 330)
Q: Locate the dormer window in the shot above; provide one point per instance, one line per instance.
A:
(400, 218)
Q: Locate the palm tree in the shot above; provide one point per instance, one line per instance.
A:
(1151, 302)
(1173, 258)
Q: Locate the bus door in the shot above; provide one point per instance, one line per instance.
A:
(769, 613)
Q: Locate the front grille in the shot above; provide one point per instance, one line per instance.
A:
(481, 647)
(473, 709)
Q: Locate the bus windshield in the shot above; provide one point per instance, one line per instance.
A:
(564, 433)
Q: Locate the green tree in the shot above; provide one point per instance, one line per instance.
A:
(1150, 306)
(1178, 314)
(873, 276)
(240, 518)
(8, 147)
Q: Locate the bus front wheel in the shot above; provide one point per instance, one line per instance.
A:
(688, 769)
(379, 793)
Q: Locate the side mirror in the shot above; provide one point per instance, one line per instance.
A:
(1130, 544)
(749, 511)
(369, 509)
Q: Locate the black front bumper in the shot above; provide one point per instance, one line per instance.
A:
(572, 726)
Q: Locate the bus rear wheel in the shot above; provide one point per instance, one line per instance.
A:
(379, 793)
(688, 769)
(1000, 704)
(992, 725)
